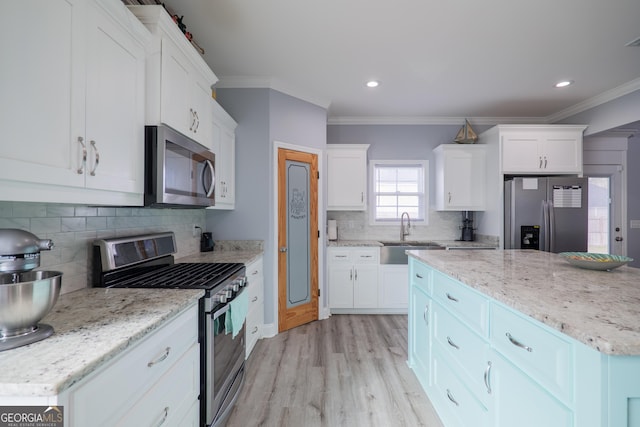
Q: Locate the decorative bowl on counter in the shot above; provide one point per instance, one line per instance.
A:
(593, 261)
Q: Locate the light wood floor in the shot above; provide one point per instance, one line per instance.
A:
(348, 370)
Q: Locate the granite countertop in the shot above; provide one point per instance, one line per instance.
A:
(598, 308)
(455, 244)
(92, 326)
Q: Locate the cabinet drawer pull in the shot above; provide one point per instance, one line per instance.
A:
(454, 299)
(425, 314)
(451, 398)
(545, 162)
(95, 166)
(355, 274)
(165, 416)
(254, 273)
(540, 166)
(518, 343)
(366, 256)
(419, 276)
(255, 329)
(487, 377)
(80, 170)
(341, 256)
(254, 299)
(452, 344)
(161, 358)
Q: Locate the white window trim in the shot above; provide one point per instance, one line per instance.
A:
(372, 199)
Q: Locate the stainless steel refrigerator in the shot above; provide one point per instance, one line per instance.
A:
(546, 213)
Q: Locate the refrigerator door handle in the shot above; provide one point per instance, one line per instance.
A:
(545, 225)
(552, 227)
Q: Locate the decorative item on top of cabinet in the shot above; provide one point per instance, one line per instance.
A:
(347, 177)
(178, 79)
(460, 177)
(76, 135)
(255, 313)
(538, 149)
(223, 144)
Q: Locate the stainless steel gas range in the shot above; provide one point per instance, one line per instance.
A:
(147, 261)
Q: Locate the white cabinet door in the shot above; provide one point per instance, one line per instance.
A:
(460, 177)
(175, 89)
(42, 92)
(114, 108)
(223, 144)
(347, 177)
(341, 286)
(82, 125)
(394, 286)
(541, 149)
(365, 286)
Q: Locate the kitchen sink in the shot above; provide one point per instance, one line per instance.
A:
(394, 252)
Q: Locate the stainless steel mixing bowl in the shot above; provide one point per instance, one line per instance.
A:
(25, 298)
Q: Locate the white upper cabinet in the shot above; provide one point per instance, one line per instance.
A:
(223, 145)
(541, 149)
(72, 105)
(460, 177)
(179, 81)
(347, 177)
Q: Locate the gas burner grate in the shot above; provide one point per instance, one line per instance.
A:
(180, 276)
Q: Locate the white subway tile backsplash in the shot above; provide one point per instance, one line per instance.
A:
(74, 228)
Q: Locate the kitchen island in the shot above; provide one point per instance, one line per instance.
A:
(523, 337)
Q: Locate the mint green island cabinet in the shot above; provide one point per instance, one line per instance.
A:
(522, 338)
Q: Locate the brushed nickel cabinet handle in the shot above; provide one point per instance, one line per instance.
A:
(80, 170)
(418, 276)
(487, 377)
(95, 166)
(165, 416)
(451, 398)
(255, 329)
(540, 166)
(545, 162)
(426, 314)
(161, 358)
(452, 344)
(454, 299)
(254, 299)
(518, 343)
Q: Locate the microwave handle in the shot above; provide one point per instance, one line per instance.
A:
(213, 178)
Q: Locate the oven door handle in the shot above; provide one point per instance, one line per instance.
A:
(222, 311)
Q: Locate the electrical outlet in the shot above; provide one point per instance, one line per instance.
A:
(195, 230)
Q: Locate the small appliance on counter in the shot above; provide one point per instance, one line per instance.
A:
(25, 296)
(206, 242)
(332, 229)
(467, 227)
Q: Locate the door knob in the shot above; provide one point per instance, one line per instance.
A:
(283, 249)
(619, 239)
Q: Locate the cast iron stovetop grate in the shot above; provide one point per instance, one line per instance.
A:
(179, 276)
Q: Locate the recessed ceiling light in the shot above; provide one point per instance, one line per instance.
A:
(372, 83)
(564, 83)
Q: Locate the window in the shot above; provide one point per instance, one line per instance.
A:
(397, 187)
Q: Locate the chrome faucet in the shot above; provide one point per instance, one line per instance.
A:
(404, 231)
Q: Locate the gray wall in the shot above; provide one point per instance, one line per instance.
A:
(263, 116)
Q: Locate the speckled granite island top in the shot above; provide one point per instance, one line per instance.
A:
(91, 327)
(598, 308)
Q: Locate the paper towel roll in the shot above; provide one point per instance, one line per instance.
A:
(332, 229)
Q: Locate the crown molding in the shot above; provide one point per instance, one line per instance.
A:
(414, 120)
(592, 102)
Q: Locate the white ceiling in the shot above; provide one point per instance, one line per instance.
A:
(437, 61)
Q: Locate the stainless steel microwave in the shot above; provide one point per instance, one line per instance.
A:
(179, 172)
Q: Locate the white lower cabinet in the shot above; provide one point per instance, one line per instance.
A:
(155, 382)
(255, 312)
(353, 278)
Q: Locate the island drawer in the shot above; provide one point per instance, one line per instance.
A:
(538, 351)
(456, 405)
(464, 302)
(420, 275)
(466, 351)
